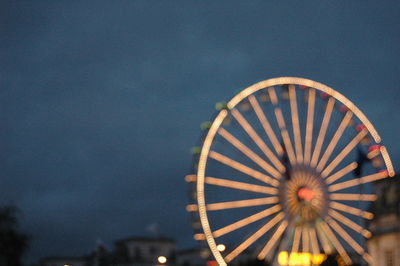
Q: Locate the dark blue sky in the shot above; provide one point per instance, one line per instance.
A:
(100, 102)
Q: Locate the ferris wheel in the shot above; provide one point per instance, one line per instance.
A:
(286, 167)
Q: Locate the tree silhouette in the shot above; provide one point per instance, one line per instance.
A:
(13, 243)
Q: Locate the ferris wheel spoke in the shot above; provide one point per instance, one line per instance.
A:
(254, 237)
(241, 203)
(358, 181)
(257, 139)
(324, 239)
(349, 223)
(285, 136)
(314, 241)
(296, 123)
(296, 239)
(249, 153)
(266, 125)
(338, 134)
(243, 168)
(245, 221)
(309, 126)
(353, 197)
(306, 240)
(342, 172)
(346, 237)
(282, 126)
(336, 243)
(240, 185)
(351, 210)
(272, 241)
(344, 152)
(322, 131)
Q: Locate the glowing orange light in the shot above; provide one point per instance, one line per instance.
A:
(305, 194)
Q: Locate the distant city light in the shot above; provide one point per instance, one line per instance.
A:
(221, 247)
(162, 259)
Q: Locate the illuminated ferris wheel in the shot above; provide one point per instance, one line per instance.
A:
(286, 169)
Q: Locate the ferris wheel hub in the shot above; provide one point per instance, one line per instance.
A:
(304, 194)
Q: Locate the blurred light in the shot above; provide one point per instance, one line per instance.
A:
(205, 125)
(305, 194)
(245, 106)
(199, 237)
(344, 108)
(220, 105)
(191, 208)
(360, 127)
(221, 247)
(264, 97)
(162, 259)
(300, 258)
(324, 95)
(195, 150)
(191, 178)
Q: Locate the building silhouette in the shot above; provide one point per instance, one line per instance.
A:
(384, 245)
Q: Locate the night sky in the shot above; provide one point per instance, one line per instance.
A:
(101, 101)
